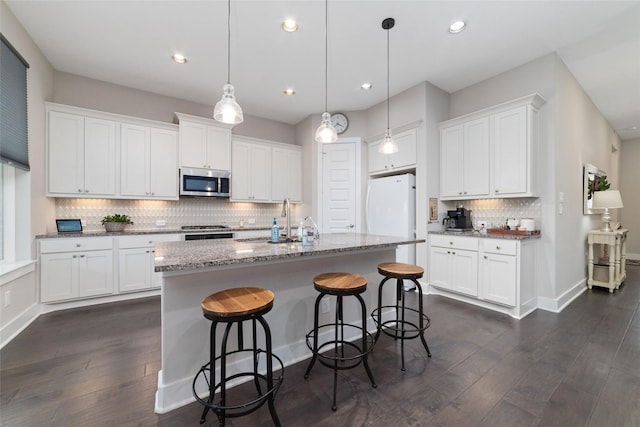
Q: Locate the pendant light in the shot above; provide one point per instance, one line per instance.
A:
(388, 145)
(227, 109)
(326, 133)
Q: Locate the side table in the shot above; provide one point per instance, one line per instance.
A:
(615, 243)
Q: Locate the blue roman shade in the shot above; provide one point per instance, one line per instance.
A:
(14, 147)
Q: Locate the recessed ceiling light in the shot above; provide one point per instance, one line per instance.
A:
(289, 92)
(366, 86)
(179, 58)
(289, 25)
(457, 27)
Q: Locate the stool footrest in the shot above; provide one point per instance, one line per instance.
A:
(401, 326)
(242, 408)
(330, 357)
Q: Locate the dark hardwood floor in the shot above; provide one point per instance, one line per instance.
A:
(97, 366)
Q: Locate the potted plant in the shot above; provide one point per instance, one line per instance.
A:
(116, 222)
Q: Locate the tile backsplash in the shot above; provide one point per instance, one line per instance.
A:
(145, 213)
(496, 211)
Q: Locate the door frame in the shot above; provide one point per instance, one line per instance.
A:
(357, 142)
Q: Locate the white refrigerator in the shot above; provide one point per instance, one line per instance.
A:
(391, 211)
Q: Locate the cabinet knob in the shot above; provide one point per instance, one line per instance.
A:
(153, 252)
(497, 191)
(75, 256)
(392, 165)
(147, 251)
(448, 252)
(485, 257)
(79, 190)
(153, 194)
(86, 191)
(451, 243)
(81, 256)
(498, 247)
(453, 252)
(78, 245)
(460, 193)
(351, 225)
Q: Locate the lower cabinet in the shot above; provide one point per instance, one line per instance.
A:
(76, 268)
(136, 260)
(87, 267)
(494, 273)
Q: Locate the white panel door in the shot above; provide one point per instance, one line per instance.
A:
(440, 267)
(134, 160)
(218, 148)
(499, 279)
(95, 273)
(193, 145)
(510, 151)
(163, 168)
(476, 158)
(134, 269)
(338, 188)
(58, 276)
(464, 272)
(451, 163)
(260, 172)
(65, 153)
(99, 157)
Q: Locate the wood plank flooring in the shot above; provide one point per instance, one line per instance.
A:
(97, 366)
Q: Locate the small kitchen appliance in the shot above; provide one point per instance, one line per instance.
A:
(458, 220)
(204, 182)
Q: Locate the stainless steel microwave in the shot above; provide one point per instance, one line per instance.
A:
(204, 182)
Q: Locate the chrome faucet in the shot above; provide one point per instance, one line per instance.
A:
(286, 213)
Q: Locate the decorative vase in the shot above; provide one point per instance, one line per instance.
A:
(114, 226)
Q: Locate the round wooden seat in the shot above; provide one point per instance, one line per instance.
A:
(340, 283)
(238, 302)
(399, 270)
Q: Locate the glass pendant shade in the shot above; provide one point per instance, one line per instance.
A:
(389, 145)
(326, 133)
(227, 109)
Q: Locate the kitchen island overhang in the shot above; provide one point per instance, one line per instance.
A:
(192, 270)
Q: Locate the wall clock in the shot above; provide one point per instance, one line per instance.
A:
(339, 122)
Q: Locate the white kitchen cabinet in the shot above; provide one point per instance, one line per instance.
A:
(204, 143)
(286, 174)
(499, 274)
(81, 155)
(464, 159)
(136, 261)
(404, 159)
(76, 268)
(250, 172)
(148, 162)
(491, 153)
(454, 264)
(499, 271)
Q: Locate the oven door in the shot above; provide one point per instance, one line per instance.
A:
(204, 183)
(207, 236)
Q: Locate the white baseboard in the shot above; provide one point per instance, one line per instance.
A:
(19, 324)
(556, 305)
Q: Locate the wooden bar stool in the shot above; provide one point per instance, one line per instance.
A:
(345, 354)
(233, 307)
(400, 327)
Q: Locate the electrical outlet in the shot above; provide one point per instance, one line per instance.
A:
(324, 306)
(160, 222)
(251, 221)
(7, 298)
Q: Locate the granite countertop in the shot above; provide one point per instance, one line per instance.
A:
(102, 233)
(195, 254)
(472, 233)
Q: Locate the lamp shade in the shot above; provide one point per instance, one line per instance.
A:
(607, 199)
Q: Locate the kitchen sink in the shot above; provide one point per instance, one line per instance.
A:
(265, 240)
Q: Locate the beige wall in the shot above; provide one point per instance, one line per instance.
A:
(84, 92)
(629, 190)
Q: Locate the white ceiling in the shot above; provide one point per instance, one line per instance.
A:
(130, 43)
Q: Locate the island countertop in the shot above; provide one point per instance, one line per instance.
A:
(197, 254)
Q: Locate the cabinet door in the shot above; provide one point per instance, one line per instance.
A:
(499, 279)
(405, 158)
(99, 157)
(510, 151)
(163, 165)
(240, 172)
(58, 276)
(193, 145)
(475, 168)
(65, 148)
(440, 267)
(260, 172)
(451, 161)
(134, 160)
(377, 161)
(464, 272)
(134, 269)
(219, 148)
(286, 174)
(95, 273)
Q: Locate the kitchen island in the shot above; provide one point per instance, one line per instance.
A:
(191, 270)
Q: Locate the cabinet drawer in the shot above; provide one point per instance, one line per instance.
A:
(71, 245)
(458, 242)
(146, 241)
(500, 246)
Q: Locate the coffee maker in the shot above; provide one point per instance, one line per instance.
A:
(458, 220)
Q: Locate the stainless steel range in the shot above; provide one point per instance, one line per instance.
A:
(206, 232)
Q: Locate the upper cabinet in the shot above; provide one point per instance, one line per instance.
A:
(491, 153)
(404, 159)
(265, 171)
(98, 154)
(81, 155)
(204, 143)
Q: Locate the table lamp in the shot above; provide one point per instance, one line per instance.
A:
(607, 200)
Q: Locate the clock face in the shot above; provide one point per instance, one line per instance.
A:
(339, 122)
